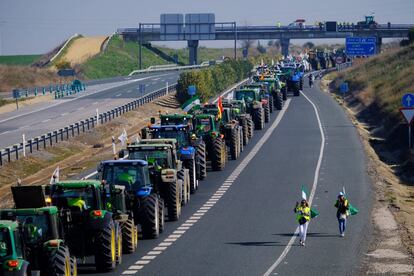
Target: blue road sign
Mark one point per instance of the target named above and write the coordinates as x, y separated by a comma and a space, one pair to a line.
191, 90
16, 94
344, 87
360, 46
408, 100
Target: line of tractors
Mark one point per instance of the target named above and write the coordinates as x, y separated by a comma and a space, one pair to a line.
53, 227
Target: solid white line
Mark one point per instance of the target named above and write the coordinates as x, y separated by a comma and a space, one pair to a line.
118, 95
47, 120
196, 216
64, 114
7, 131
312, 194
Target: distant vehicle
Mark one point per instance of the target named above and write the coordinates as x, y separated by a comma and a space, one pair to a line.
298, 24
369, 23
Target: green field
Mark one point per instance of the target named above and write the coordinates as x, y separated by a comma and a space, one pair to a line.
18, 60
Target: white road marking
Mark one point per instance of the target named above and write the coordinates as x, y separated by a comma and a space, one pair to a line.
118, 95
64, 114
200, 212
5, 132
142, 262
81, 108
94, 103
312, 194
156, 79
47, 120
128, 272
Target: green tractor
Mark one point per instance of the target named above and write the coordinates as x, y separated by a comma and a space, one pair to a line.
275, 89
254, 105
90, 228
229, 127
183, 174
142, 197
205, 127
238, 112
31, 237
266, 100
163, 167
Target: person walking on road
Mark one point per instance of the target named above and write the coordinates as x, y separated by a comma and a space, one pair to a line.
303, 216
342, 212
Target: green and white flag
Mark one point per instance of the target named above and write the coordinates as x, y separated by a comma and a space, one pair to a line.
190, 104
304, 195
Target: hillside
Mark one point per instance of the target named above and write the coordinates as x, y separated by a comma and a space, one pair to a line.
19, 60
83, 48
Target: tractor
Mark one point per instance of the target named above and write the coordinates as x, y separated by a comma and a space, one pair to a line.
32, 237
239, 112
90, 226
293, 79
205, 127
254, 105
164, 167
142, 198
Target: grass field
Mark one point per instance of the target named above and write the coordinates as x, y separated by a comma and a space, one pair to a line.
18, 60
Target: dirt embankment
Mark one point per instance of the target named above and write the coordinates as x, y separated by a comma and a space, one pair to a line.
83, 48
80, 153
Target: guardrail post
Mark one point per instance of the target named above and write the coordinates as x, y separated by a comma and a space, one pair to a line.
44, 141
30, 142
101, 117
87, 123
49, 136
55, 134
67, 133
16, 148
8, 155
37, 143
83, 125
93, 121
1, 158
77, 127
61, 134
72, 130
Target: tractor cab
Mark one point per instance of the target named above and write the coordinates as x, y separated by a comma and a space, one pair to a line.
176, 119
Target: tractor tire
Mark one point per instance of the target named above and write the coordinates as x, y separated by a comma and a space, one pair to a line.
118, 245
201, 161
234, 144
59, 262
150, 222
296, 89
129, 236
278, 101
181, 175
250, 129
271, 102
73, 267
245, 129
258, 115
241, 140
301, 83
105, 248
219, 154
284, 93
193, 177
267, 113
174, 202
162, 215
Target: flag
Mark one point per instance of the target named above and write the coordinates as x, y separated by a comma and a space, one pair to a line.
304, 196
352, 210
220, 107
188, 105
55, 176
123, 137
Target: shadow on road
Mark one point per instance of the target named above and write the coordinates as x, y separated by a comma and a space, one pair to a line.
314, 235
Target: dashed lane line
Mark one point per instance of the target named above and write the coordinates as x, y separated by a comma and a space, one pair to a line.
217, 195
312, 194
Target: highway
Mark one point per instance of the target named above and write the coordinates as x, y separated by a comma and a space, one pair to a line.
241, 220
106, 94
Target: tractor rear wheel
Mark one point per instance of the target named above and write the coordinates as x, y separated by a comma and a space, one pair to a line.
267, 113
182, 176
241, 140
234, 144
129, 236
284, 92
174, 201
296, 89
73, 267
150, 222
201, 161
191, 166
278, 101
219, 154
105, 247
258, 115
59, 262
118, 245
271, 101
250, 128
245, 129
162, 214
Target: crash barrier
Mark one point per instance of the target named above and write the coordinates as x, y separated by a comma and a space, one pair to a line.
59, 90
48, 139
343, 66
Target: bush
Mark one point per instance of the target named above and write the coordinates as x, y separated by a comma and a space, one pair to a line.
213, 80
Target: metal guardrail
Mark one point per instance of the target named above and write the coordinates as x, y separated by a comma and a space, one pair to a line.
175, 68
53, 137
343, 66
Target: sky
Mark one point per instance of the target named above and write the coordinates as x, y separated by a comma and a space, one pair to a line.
37, 26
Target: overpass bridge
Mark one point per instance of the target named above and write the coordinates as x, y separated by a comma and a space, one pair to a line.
148, 32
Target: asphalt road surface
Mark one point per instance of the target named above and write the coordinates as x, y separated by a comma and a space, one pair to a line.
41, 118
241, 220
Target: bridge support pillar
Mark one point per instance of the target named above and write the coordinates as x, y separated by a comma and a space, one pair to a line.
379, 44
284, 43
193, 47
